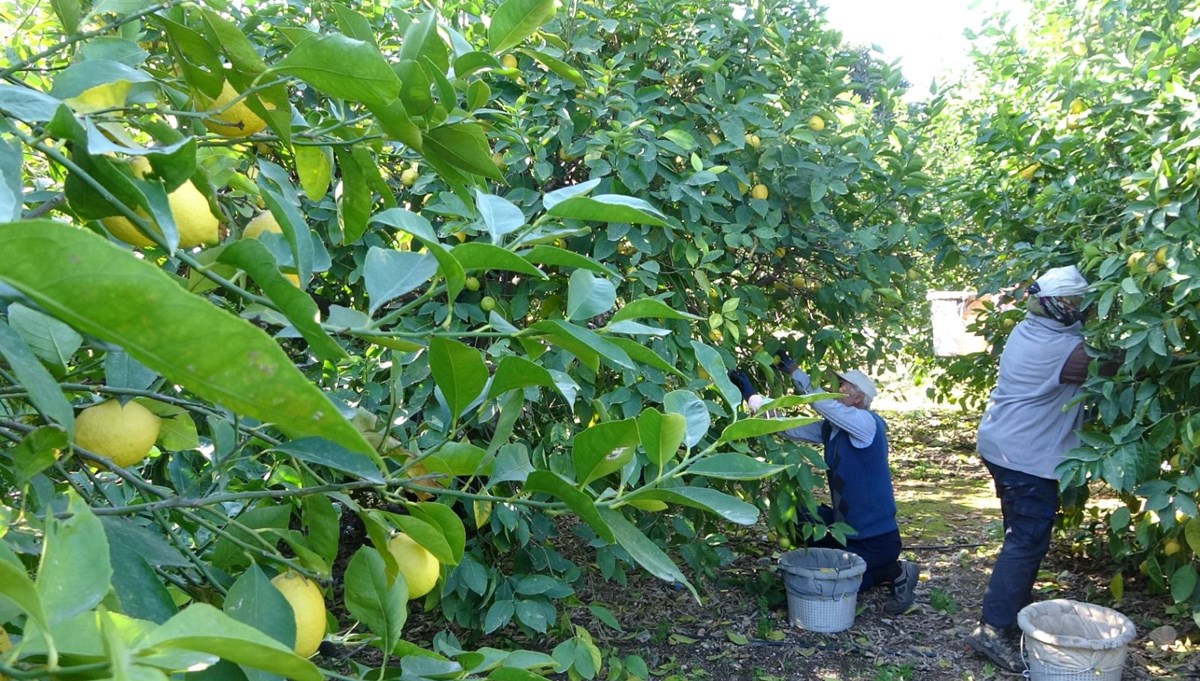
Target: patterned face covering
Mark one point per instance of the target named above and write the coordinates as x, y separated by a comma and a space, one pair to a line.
1063, 309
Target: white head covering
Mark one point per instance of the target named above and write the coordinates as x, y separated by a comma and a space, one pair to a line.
859, 380
1062, 281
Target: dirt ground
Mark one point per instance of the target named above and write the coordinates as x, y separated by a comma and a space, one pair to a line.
950, 521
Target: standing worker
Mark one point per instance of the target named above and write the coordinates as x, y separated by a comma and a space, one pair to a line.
860, 483
1030, 420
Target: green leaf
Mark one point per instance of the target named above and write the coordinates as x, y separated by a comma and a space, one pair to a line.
642, 354
733, 467
661, 434
74, 572
515, 372
37, 452
122, 371
561, 68
1191, 532
454, 459
138, 587
421, 230
462, 146
323, 523
1183, 583
728, 507
69, 14
11, 198
609, 208
186, 339
252, 528
649, 307
645, 552
253, 257
254, 601
50, 340
692, 409
444, 518
581, 342
753, 427
516, 20
325, 453
499, 215
560, 257
550, 483
588, 296
343, 68
314, 166
17, 587
603, 449
390, 274
711, 360
43, 390
370, 599
126, 536
552, 199
427, 534
476, 255
203, 628
459, 371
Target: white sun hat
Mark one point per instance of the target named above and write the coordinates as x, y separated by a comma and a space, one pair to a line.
1062, 281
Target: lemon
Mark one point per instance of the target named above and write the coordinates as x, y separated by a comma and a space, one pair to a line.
752, 140
714, 138
194, 220
472, 284
715, 336
816, 123
1077, 106
236, 120
759, 191
263, 222
508, 61
308, 606
294, 278
409, 177
1160, 255
419, 567
799, 281
1027, 172
487, 304
122, 434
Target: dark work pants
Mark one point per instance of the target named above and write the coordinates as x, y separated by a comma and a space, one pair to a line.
880, 552
1029, 504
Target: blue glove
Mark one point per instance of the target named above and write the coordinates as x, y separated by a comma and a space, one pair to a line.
784, 363
742, 380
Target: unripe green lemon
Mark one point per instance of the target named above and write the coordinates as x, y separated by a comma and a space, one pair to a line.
487, 304
308, 606
122, 434
419, 567
472, 284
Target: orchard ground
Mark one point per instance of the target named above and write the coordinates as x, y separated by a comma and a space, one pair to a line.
950, 519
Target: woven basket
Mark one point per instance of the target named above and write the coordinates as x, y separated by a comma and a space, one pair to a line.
1066, 640
822, 587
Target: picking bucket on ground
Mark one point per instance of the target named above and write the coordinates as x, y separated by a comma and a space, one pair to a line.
1065, 640
822, 587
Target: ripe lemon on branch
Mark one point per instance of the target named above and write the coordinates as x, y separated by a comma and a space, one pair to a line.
230, 118
419, 567
263, 222
123, 434
194, 220
308, 606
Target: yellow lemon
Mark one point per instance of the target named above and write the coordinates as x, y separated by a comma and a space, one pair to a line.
419, 567
293, 277
101, 97
759, 191
1160, 255
122, 434
263, 222
1027, 172
237, 120
1171, 548
715, 336
409, 177
308, 606
714, 138
1077, 106
798, 281
194, 220
508, 61
816, 123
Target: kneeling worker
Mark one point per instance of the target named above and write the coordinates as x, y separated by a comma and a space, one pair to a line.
860, 483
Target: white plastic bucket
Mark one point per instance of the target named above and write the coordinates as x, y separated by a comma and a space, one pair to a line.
822, 587
1065, 640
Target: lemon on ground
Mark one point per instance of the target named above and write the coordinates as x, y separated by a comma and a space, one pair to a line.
263, 222
419, 567
308, 606
816, 123
760, 191
237, 120
123, 434
508, 61
194, 220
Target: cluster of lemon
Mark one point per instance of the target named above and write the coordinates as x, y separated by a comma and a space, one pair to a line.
125, 434
419, 567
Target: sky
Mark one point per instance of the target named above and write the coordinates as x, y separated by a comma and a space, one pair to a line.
925, 35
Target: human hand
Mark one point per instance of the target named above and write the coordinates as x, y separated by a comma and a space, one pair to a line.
784, 363
742, 380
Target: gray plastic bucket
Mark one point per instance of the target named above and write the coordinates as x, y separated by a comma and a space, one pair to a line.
822, 587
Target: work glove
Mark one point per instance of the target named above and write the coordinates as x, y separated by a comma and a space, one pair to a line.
742, 380
784, 363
